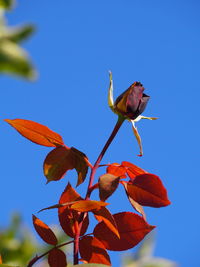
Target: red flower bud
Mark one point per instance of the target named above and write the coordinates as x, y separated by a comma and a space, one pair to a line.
132, 102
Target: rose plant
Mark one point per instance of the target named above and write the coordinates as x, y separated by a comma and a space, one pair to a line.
115, 232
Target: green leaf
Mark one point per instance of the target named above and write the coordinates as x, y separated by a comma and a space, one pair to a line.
19, 34
7, 4
14, 60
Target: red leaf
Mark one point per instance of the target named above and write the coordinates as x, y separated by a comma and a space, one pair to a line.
104, 215
132, 229
132, 170
37, 133
58, 162
108, 183
88, 205
117, 170
134, 204
44, 231
126, 168
62, 159
57, 258
148, 190
1, 262
81, 165
93, 251
69, 195
67, 217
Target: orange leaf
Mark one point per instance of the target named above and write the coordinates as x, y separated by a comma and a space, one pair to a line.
134, 204
44, 231
88, 205
1, 262
81, 165
57, 258
104, 215
132, 229
35, 132
108, 183
58, 162
148, 190
67, 217
69, 195
117, 170
93, 251
61, 159
132, 170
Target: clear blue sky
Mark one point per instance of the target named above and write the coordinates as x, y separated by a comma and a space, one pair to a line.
77, 42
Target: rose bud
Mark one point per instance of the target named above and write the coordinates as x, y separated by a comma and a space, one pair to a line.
132, 102
129, 105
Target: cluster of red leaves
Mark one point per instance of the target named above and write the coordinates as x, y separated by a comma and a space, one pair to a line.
116, 232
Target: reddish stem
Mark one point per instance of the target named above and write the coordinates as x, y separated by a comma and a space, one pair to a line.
91, 181
96, 165
76, 241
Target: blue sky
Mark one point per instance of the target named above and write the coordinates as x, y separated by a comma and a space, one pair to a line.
76, 43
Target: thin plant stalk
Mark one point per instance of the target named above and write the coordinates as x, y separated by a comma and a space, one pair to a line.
91, 181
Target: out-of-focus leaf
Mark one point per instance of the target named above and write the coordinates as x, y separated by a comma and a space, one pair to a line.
132, 229
0, 259
7, 4
44, 231
17, 243
14, 60
5, 265
146, 248
108, 183
57, 258
159, 262
67, 217
104, 215
148, 190
19, 34
87, 205
143, 256
93, 251
36, 132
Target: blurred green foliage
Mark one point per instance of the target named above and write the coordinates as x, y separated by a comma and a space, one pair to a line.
14, 59
143, 257
7, 4
17, 243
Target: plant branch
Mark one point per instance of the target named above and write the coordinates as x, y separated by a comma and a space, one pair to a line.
91, 181
96, 165
34, 260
